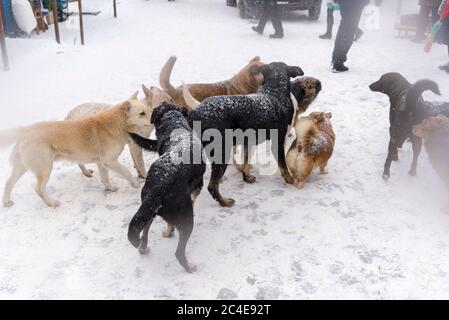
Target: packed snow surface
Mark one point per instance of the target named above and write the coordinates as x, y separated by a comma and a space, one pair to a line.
348, 234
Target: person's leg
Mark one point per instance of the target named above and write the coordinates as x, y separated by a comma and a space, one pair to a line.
330, 24
276, 20
351, 12
263, 18
424, 13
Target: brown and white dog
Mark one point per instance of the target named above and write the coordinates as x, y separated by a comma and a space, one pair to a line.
247, 81
98, 139
435, 132
312, 148
154, 97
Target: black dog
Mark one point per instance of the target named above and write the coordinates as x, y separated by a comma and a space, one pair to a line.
269, 108
172, 183
407, 108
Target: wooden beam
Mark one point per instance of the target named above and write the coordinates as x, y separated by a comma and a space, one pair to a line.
54, 6
2, 40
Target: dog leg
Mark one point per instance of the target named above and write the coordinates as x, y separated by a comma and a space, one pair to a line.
42, 176
278, 150
185, 229
323, 168
218, 170
104, 176
169, 231
137, 156
305, 168
392, 150
123, 172
246, 167
17, 172
143, 248
416, 146
88, 173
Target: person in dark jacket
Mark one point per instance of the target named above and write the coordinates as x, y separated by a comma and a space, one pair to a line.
270, 11
429, 8
351, 13
444, 37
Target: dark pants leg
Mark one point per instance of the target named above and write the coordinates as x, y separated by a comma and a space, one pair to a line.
276, 19
271, 11
351, 12
423, 21
330, 21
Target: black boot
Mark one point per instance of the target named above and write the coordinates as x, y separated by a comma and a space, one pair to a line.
257, 29
339, 67
276, 36
330, 25
326, 36
358, 34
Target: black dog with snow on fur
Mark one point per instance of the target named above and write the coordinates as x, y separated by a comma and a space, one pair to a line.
171, 185
270, 108
407, 109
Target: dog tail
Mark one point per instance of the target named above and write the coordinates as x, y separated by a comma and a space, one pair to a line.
164, 77
147, 144
415, 92
144, 215
191, 102
9, 136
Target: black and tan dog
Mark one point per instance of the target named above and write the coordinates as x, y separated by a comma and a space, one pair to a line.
407, 108
173, 181
435, 132
269, 109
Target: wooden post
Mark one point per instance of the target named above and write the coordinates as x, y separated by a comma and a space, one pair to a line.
54, 6
80, 9
2, 40
115, 8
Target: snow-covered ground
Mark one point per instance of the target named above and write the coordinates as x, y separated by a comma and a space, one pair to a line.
346, 235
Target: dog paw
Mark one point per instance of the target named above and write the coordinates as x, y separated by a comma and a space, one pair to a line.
386, 176
324, 171
191, 268
8, 203
227, 202
89, 173
395, 157
249, 178
53, 203
144, 251
412, 173
300, 184
111, 189
288, 179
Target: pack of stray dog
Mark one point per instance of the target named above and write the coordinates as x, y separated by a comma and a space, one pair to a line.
260, 97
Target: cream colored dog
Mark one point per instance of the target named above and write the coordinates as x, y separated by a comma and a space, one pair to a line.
98, 139
153, 98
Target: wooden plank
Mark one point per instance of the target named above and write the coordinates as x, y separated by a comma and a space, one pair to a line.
2, 40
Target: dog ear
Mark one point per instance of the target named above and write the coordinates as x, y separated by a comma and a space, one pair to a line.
255, 59
148, 93
318, 86
134, 96
265, 70
294, 71
319, 117
158, 113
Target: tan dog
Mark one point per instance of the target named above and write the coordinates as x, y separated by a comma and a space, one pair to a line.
96, 139
153, 98
312, 148
247, 81
435, 132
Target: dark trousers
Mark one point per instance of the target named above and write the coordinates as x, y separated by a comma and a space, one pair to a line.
272, 12
330, 22
424, 14
351, 12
